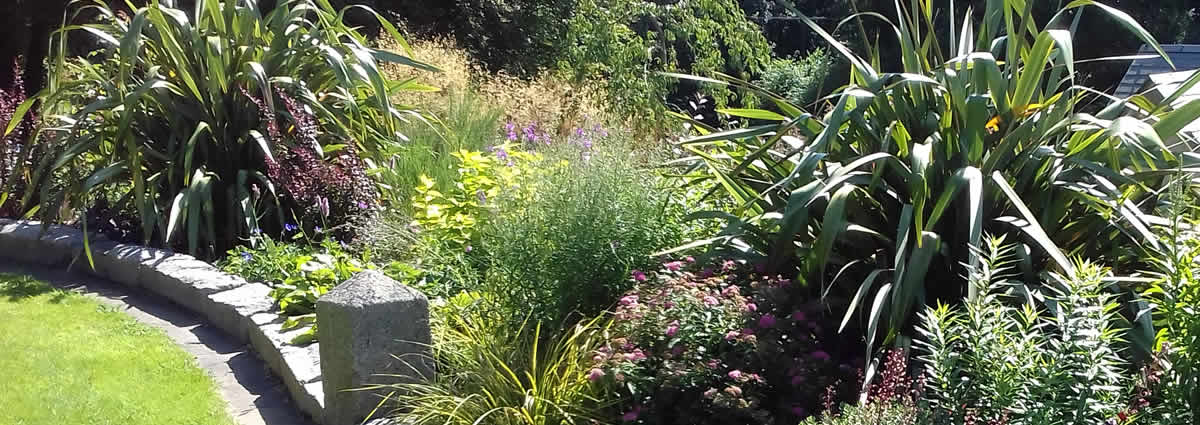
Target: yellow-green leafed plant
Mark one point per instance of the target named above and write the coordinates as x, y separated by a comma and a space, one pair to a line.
452, 217
490, 372
184, 114
884, 199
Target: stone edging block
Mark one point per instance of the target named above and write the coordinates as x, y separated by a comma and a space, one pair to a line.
241, 309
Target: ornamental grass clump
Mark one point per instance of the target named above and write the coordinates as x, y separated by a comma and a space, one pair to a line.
565, 249
491, 372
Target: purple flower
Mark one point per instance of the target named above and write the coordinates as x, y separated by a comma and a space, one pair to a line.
289, 227
735, 374
766, 321
751, 307
673, 328
468, 248
639, 276
501, 154
247, 256
323, 206
579, 131
630, 416
820, 355
690, 259
317, 229
710, 300
673, 266
629, 300
731, 335
595, 374
710, 393
511, 129
362, 205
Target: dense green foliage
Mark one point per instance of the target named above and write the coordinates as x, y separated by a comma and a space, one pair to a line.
887, 197
189, 115
1169, 382
799, 81
569, 247
839, 231
626, 43
467, 123
299, 273
1044, 355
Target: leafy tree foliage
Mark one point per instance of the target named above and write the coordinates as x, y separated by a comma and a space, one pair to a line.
628, 42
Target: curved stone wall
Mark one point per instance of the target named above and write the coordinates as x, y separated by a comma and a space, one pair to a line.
242, 309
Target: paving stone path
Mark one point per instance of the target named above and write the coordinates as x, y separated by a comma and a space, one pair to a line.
252, 395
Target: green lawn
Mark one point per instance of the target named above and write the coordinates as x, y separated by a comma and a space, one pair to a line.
67, 359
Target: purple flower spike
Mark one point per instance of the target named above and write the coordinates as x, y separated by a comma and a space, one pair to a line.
639, 276
502, 154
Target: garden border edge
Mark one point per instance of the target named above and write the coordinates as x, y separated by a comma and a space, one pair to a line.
243, 310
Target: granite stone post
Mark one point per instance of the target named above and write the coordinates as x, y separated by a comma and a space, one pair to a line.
372, 331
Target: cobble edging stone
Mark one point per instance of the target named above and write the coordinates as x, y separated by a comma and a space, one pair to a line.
241, 309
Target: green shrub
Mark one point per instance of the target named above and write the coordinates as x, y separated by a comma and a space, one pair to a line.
1169, 382
870, 414
570, 245
886, 198
625, 44
489, 371
453, 218
800, 81
1045, 355
186, 114
463, 122
299, 274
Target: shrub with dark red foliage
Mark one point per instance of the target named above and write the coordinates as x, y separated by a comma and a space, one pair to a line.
331, 193
11, 146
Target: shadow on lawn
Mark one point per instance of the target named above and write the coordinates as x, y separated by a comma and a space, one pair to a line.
15, 287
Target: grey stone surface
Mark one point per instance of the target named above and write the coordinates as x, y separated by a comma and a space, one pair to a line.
232, 310
22, 241
185, 280
373, 331
298, 366
123, 263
